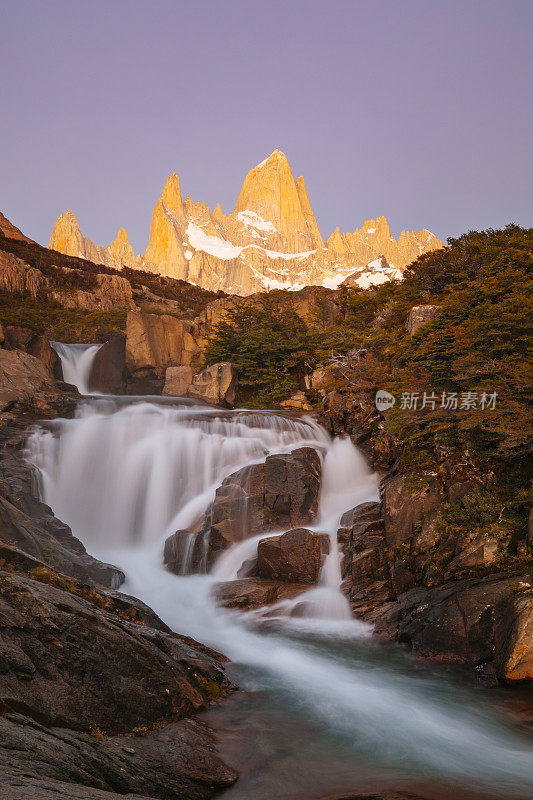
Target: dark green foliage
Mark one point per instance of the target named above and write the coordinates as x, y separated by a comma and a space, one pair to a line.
270, 346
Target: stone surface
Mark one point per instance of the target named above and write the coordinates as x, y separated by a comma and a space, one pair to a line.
155, 342
216, 385
178, 761
295, 556
483, 622
409, 501
17, 276
177, 381
280, 493
249, 593
81, 676
517, 662
297, 402
108, 371
420, 315
24, 380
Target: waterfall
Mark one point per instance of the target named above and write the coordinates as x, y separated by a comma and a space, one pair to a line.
76, 362
125, 473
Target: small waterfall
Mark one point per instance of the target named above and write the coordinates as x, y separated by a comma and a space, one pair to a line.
76, 361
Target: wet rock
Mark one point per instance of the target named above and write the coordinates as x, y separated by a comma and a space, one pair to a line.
420, 315
280, 493
249, 593
179, 761
294, 556
108, 372
482, 622
185, 552
216, 385
66, 661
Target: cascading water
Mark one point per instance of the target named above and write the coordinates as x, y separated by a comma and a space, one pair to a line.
335, 708
76, 362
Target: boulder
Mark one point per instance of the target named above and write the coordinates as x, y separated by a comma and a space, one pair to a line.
216, 385
517, 664
185, 552
297, 402
294, 556
420, 315
281, 493
249, 593
108, 372
155, 342
177, 381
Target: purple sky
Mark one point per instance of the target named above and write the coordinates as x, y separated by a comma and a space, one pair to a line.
421, 111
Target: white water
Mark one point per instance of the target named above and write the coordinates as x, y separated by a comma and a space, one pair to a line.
76, 361
125, 475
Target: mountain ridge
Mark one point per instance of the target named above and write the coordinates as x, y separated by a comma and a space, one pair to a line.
270, 240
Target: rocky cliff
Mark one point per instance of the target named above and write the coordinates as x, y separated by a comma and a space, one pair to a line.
68, 239
271, 240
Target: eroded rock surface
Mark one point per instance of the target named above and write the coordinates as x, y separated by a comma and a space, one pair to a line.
295, 556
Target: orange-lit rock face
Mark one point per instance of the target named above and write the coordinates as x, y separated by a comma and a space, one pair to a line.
271, 240
67, 238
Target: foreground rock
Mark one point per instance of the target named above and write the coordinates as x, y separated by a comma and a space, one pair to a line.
82, 676
178, 761
294, 556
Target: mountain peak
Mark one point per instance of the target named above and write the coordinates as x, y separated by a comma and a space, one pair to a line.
275, 156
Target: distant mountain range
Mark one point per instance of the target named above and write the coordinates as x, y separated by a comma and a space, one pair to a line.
270, 241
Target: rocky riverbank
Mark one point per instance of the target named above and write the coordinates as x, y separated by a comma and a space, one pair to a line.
97, 696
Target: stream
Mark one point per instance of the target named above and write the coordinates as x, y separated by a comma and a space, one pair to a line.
325, 708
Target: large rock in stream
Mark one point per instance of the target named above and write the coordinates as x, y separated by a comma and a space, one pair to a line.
295, 556
280, 493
